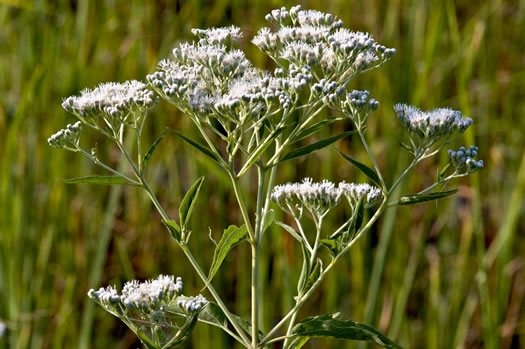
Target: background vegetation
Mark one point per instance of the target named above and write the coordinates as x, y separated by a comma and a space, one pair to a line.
445, 275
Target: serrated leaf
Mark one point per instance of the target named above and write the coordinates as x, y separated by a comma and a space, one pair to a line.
314, 275
365, 169
313, 147
231, 238
259, 151
417, 198
333, 246
105, 180
203, 149
329, 326
188, 202
357, 219
314, 128
173, 228
291, 230
151, 150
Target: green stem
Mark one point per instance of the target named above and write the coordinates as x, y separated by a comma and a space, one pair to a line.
198, 269
304, 298
106, 167
242, 206
372, 158
255, 295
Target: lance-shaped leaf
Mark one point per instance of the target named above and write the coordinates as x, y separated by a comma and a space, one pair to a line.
417, 198
365, 169
106, 180
314, 276
357, 219
268, 220
443, 171
291, 230
188, 202
260, 151
313, 147
173, 228
231, 238
203, 149
303, 278
151, 150
329, 326
314, 128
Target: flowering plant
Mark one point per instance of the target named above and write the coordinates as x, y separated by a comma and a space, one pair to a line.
254, 119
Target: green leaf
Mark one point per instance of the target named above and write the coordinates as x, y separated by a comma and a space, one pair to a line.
365, 169
417, 198
356, 220
259, 151
188, 202
329, 326
305, 270
231, 238
443, 171
298, 342
313, 147
173, 228
270, 215
333, 246
406, 147
314, 275
203, 149
291, 231
106, 180
314, 128
149, 153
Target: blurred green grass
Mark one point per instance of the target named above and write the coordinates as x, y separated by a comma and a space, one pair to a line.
446, 275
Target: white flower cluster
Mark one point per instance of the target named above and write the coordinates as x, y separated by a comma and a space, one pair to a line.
71, 134
108, 297
149, 295
218, 36
193, 304
431, 125
112, 102
210, 80
320, 197
354, 192
316, 38
464, 159
143, 297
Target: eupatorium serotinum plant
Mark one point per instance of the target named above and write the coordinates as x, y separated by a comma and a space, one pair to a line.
253, 120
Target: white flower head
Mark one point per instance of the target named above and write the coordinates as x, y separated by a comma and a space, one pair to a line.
317, 197
192, 305
111, 100
219, 36
354, 192
67, 137
431, 125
